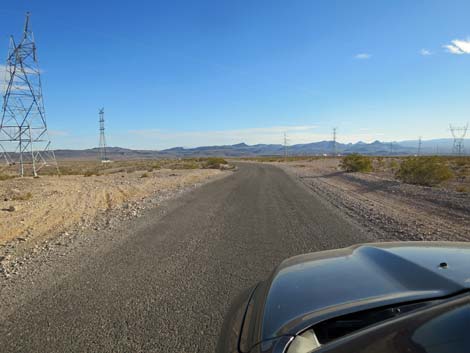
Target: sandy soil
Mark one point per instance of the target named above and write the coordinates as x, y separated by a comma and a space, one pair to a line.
35, 209
386, 206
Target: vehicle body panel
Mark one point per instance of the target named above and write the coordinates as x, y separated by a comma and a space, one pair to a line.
314, 287
308, 289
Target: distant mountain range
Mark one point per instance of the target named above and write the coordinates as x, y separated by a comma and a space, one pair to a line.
438, 146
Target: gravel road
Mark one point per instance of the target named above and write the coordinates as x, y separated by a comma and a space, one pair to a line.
164, 283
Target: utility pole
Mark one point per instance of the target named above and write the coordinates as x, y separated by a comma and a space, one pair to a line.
285, 146
24, 138
103, 155
334, 141
391, 148
419, 146
458, 133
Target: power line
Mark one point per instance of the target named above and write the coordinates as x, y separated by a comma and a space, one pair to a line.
24, 139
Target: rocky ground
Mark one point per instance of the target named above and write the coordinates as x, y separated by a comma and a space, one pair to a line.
50, 215
387, 207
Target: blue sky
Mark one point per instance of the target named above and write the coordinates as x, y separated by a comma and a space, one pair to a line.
189, 73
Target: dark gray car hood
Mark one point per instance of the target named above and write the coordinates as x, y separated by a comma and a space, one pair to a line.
310, 288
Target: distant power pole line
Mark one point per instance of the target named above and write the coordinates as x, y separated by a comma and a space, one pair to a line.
419, 146
458, 133
285, 146
24, 139
335, 130
103, 153
391, 148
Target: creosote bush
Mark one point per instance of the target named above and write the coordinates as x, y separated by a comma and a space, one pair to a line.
356, 163
427, 171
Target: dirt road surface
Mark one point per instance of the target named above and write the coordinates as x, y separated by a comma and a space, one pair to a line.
164, 282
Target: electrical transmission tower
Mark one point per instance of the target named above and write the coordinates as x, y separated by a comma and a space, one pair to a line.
334, 141
419, 146
24, 140
103, 154
458, 133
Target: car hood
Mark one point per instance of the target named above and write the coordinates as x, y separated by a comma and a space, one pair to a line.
307, 289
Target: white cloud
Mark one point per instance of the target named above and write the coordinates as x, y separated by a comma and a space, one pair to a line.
458, 47
425, 52
363, 56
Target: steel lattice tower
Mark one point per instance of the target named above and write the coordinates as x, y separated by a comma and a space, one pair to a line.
24, 139
334, 141
458, 133
103, 155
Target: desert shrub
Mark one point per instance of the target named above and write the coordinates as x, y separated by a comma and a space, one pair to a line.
214, 162
427, 171
144, 175
356, 163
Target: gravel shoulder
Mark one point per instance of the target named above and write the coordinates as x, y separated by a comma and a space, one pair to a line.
39, 216
387, 207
